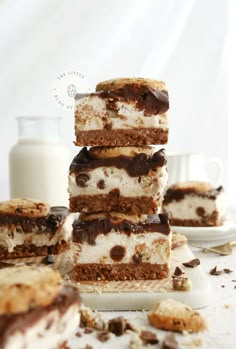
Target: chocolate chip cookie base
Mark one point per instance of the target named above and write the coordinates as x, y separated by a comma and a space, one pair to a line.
120, 272
209, 221
122, 138
30, 250
114, 202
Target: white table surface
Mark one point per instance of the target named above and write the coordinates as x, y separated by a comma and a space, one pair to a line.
220, 314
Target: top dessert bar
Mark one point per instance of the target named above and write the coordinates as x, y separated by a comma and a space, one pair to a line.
195, 203
123, 112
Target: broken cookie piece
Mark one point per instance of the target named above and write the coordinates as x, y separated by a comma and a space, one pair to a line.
169, 314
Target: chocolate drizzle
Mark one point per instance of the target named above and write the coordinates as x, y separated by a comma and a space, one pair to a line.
179, 194
9, 323
87, 231
49, 223
151, 101
135, 166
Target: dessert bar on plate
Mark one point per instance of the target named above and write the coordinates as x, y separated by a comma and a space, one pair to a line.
123, 112
195, 203
31, 228
36, 309
116, 246
127, 179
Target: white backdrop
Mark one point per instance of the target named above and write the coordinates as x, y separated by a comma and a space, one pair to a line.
187, 43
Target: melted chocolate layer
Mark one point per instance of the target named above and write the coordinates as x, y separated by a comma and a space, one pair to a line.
151, 101
179, 194
87, 231
51, 222
135, 166
21, 322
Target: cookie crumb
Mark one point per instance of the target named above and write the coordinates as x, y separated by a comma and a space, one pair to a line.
169, 342
103, 336
135, 342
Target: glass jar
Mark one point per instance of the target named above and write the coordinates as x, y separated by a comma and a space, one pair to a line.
39, 162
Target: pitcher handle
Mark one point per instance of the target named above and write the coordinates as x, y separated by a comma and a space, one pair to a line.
220, 169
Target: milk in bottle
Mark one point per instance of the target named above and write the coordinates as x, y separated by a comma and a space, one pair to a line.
39, 162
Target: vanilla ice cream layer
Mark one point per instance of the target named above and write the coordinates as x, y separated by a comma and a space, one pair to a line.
12, 235
41, 335
91, 112
187, 208
153, 184
154, 248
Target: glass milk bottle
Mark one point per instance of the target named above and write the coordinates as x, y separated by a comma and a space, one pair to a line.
39, 162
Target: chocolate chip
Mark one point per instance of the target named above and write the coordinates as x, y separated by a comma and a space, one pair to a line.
117, 326
178, 272
103, 336
48, 260
78, 334
149, 337
117, 253
216, 272
200, 211
101, 184
169, 342
82, 180
19, 210
227, 271
192, 263
223, 286
108, 127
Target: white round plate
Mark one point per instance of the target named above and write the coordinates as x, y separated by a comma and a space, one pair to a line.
225, 232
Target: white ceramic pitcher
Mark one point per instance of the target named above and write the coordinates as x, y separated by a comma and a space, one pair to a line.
189, 167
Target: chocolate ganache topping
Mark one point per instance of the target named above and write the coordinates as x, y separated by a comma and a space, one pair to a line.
179, 194
151, 101
135, 166
87, 231
49, 223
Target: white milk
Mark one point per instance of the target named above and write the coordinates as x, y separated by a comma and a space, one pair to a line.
39, 169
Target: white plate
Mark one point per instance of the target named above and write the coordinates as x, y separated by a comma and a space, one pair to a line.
226, 232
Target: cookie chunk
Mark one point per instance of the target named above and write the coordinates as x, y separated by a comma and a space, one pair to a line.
171, 315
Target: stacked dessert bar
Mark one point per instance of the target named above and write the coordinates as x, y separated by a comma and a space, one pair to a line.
118, 184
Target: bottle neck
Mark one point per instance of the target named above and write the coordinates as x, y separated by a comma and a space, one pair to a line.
38, 129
